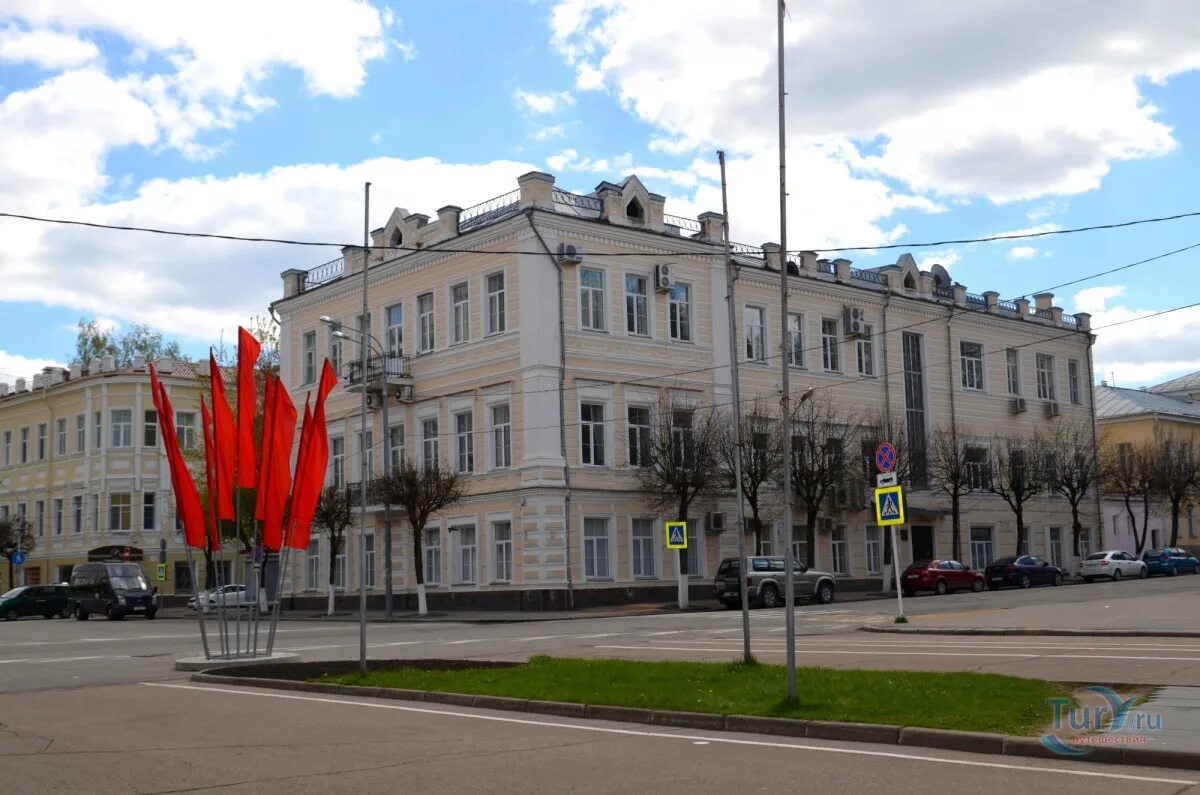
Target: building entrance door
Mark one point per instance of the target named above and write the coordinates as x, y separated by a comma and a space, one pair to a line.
922, 542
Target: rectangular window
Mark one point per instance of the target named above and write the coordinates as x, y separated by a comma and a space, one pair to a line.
425, 325
308, 347
394, 315
312, 566
466, 553
970, 358
149, 510
120, 513
638, 420
42, 441
637, 312
914, 407
121, 428
831, 345
591, 299
1124, 456
682, 437
874, 551
1085, 543
60, 437
496, 303
1054, 542
595, 548
95, 513
77, 514
865, 348
796, 340
982, 551
335, 347
464, 442
397, 446
7, 448
366, 453
39, 517
840, 549
753, 320
501, 436
24, 445
694, 569
58, 517
1073, 392
644, 546
369, 560
97, 431
978, 468
337, 461
339, 570
80, 433
502, 551
185, 429
429, 444
1045, 377
460, 301
679, 306
591, 429
1012, 369
149, 429
431, 542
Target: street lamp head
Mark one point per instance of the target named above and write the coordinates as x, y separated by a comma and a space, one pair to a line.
326, 319
340, 334
807, 394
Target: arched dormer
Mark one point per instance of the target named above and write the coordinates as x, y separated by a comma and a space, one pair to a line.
630, 204
910, 282
635, 212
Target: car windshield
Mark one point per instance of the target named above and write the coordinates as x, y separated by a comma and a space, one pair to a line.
1097, 556
13, 593
132, 582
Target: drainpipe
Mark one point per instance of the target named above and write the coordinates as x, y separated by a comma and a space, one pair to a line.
562, 406
887, 368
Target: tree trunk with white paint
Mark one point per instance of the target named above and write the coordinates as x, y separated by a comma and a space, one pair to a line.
329, 608
422, 608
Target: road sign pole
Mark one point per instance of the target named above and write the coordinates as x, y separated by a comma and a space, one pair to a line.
896, 572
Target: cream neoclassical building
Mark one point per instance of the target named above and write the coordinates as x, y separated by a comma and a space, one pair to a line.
527, 337
81, 460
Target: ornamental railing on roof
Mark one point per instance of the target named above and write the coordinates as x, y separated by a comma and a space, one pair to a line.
575, 200
1008, 306
324, 273
976, 300
1070, 321
484, 212
825, 266
875, 277
688, 224
1044, 314
943, 292
746, 250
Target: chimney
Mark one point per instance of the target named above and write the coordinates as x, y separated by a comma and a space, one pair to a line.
1084, 321
57, 375
38, 381
841, 270
808, 261
1044, 300
139, 362
993, 301
537, 189
448, 221
76, 370
21, 385
93, 365
1022, 307
771, 256
293, 281
712, 227
108, 363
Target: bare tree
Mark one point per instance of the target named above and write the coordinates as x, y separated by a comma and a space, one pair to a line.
1074, 471
1128, 471
421, 491
821, 439
16, 534
1018, 473
1176, 475
956, 469
333, 517
761, 458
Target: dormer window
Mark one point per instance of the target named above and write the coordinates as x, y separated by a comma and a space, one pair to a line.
397, 238
909, 282
634, 211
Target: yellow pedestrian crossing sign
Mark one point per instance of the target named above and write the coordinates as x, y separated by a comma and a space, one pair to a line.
889, 505
676, 535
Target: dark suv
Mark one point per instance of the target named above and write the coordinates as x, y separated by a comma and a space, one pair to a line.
764, 584
34, 600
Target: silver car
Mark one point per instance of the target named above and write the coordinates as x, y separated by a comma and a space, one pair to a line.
231, 596
764, 585
1115, 564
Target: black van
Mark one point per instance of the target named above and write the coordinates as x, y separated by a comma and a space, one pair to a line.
114, 589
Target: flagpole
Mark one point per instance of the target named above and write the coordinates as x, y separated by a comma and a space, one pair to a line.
284, 555
199, 612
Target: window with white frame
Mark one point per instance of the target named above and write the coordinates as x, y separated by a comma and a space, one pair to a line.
796, 340
637, 311
120, 509
60, 437
501, 436
95, 513
80, 433
333, 330
679, 312
312, 566
7, 452
425, 323
695, 565
591, 299
502, 551
1054, 544
339, 569
369, 560
431, 542
1073, 391
397, 446
596, 548
185, 429
644, 548
831, 344
149, 510
460, 303
970, 358
1045, 376
1085, 543
978, 467
865, 348
394, 317
465, 553
753, 321
25, 445
366, 455
1012, 370
496, 321
982, 549
308, 347
873, 547
591, 430
121, 428
149, 430
682, 437
839, 547
464, 442
77, 514
638, 420
429, 444
98, 430
337, 462
42, 441
58, 517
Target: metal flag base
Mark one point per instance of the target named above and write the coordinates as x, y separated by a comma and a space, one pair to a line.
206, 663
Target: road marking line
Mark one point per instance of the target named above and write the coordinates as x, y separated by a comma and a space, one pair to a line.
1068, 647
121, 639
68, 659
553, 724
917, 653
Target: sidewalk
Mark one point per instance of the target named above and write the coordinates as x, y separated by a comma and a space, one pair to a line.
1178, 708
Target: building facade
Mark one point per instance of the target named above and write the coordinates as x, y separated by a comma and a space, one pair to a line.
527, 338
81, 461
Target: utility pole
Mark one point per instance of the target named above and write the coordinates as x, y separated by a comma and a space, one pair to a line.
737, 417
362, 437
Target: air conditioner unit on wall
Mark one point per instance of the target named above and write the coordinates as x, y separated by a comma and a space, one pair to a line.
569, 254
1017, 406
854, 321
1052, 409
664, 278
714, 522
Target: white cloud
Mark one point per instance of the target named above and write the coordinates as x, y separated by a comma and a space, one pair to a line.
408, 51
542, 104
1142, 351
1094, 299
946, 259
48, 49
14, 366
550, 131
1022, 252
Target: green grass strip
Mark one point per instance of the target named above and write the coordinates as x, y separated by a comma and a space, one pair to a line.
964, 701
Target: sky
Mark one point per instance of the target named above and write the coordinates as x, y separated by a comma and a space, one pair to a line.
907, 122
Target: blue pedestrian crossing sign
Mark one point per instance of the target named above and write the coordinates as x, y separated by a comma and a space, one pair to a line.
889, 505
676, 535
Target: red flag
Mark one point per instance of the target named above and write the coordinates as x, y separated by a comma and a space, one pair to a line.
210, 462
279, 483
264, 451
298, 480
224, 441
247, 403
310, 467
187, 499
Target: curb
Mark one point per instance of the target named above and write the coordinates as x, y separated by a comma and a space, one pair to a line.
1067, 633
885, 734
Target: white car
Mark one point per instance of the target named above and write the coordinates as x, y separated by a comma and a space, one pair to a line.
232, 596
1114, 564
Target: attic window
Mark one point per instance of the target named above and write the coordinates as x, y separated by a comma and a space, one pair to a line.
909, 282
397, 238
634, 211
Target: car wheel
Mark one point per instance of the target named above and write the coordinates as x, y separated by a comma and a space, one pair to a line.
770, 597
940, 588
80, 613
1025, 581
1116, 575
112, 614
1144, 572
977, 586
150, 614
824, 593
66, 613
993, 587
1057, 580
11, 615
1173, 572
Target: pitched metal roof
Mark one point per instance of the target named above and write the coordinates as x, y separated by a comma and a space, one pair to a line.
1184, 383
1114, 402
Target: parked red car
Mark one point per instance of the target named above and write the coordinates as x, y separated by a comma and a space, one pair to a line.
940, 576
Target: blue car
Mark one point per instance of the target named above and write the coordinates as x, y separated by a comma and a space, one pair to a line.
1171, 561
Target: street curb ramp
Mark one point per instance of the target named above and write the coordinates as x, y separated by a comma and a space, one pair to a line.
885, 734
